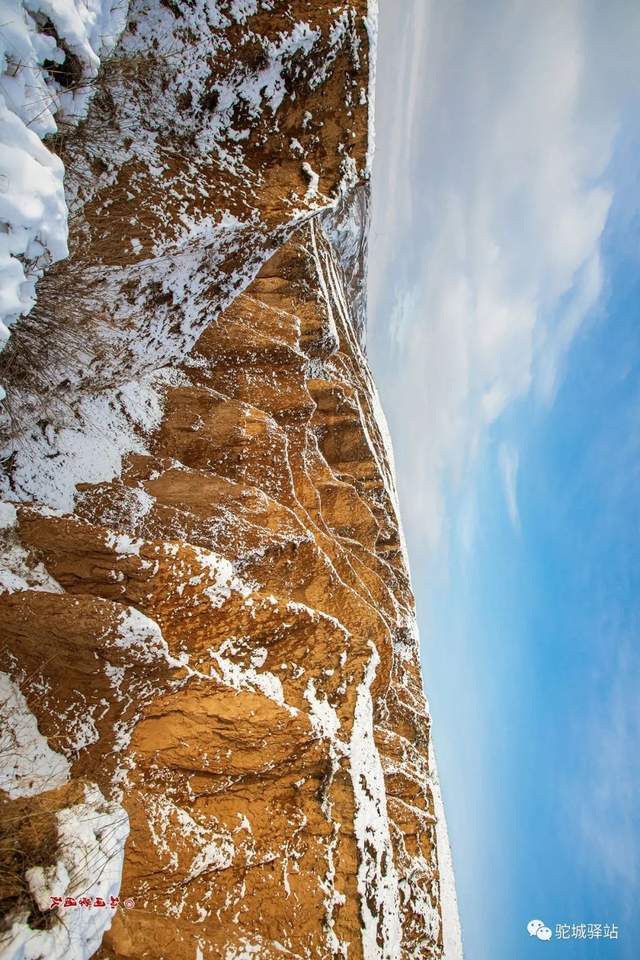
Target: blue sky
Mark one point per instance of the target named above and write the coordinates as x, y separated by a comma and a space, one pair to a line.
504, 334
536, 631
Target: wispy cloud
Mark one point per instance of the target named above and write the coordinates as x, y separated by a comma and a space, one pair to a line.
607, 814
509, 461
489, 210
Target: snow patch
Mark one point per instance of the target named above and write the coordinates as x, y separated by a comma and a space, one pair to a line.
39, 39
322, 715
91, 840
377, 878
451, 930
8, 516
241, 9
18, 570
28, 765
241, 678
371, 23
314, 181
89, 449
143, 635
216, 850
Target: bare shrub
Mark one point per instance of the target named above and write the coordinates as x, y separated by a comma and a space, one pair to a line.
28, 838
61, 341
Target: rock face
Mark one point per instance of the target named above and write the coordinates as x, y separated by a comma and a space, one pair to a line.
214, 625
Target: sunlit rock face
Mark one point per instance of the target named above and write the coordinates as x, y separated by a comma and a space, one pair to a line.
213, 623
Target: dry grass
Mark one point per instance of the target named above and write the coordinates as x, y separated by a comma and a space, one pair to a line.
64, 340
67, 338
74, 340
28, 838
137, 79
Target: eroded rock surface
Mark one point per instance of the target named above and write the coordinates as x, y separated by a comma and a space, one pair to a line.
218, 630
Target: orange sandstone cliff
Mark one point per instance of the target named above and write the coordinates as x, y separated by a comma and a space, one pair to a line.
213, 707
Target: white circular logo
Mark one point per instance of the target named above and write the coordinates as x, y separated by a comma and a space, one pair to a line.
536, 928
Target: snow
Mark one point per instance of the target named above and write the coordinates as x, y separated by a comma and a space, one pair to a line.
18, 570
7, 516
371, 823
451, 931
255, 88
303, 38
314, 180
89, 448
377, 878
27, 764
241, 9
340, 31
320, 263
249, 679
141, 634
215, 847
371, 23
123, 544
322, 715
33, 210
258, 657
91, 839
245, 951
86, 439
224, 579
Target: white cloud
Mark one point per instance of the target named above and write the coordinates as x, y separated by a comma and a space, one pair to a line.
496, 123
509, 461
605, 816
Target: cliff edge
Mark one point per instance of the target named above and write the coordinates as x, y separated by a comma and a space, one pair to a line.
215, 740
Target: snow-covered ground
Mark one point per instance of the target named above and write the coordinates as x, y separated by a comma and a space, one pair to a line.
27, 764
91, 839
49, 54
451, 930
